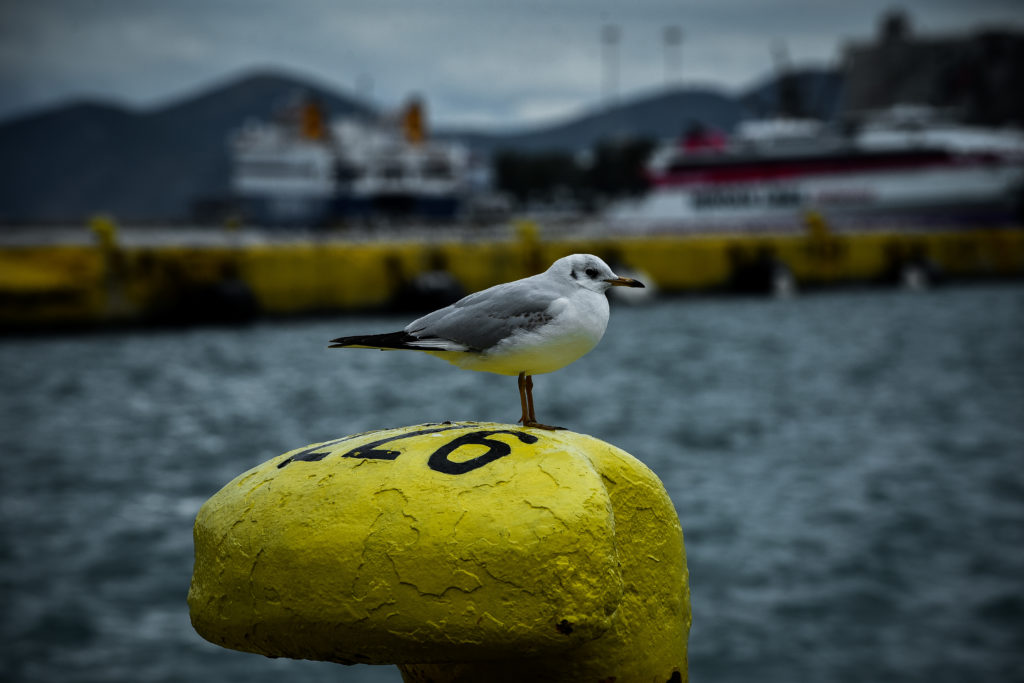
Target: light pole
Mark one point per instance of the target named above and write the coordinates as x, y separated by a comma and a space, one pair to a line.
673, 37
610, 35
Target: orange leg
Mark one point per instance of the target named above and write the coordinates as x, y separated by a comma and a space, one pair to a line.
529, 397
527, 406
529, 418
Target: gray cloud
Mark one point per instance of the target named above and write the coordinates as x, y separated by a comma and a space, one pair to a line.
479, 62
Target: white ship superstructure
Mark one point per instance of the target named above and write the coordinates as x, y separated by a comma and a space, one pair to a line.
903, 167
306, 169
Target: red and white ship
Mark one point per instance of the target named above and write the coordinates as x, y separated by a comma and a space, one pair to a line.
904, 168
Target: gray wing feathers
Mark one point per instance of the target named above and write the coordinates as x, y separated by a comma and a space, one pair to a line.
483, 319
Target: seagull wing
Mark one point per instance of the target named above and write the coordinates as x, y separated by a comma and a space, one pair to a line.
482, 320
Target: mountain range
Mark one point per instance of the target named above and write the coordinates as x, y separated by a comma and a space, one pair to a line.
73, 161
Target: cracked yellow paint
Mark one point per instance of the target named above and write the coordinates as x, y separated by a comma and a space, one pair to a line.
461, 552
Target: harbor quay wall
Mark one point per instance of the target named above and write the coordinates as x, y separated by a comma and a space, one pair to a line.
107, 283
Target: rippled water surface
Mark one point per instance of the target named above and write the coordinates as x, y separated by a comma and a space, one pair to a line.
848, 469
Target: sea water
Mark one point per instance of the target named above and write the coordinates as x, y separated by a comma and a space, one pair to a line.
848, 468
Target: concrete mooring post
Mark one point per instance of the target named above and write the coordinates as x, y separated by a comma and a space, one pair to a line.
458, 552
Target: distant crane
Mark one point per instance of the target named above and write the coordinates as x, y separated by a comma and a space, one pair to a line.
610, 35
790, 100
673, 39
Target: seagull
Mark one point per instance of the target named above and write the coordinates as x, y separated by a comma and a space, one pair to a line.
527, 327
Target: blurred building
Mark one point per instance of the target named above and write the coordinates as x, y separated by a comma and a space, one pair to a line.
978, 75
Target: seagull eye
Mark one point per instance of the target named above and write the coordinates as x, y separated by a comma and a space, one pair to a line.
591, 273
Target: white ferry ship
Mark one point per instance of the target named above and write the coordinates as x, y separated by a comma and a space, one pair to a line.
905, 167
307, 170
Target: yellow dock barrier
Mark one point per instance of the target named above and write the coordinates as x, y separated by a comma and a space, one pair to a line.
94, 284
460, 552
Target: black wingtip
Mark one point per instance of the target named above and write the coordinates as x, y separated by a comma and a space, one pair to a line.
389, 340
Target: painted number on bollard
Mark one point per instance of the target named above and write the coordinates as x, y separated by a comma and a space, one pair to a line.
438, 460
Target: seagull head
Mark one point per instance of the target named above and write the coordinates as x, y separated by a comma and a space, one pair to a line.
590, 272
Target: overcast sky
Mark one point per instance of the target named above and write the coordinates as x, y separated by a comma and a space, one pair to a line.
480, 62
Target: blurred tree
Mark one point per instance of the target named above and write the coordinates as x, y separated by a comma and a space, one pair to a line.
617, 168
611, 170
537, 177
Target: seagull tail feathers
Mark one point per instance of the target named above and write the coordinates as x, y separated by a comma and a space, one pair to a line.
395, 340
390, 340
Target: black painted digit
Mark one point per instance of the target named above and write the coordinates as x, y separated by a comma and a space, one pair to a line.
311, 454
370, 450
439, 461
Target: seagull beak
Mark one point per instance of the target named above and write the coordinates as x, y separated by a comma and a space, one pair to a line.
624, 282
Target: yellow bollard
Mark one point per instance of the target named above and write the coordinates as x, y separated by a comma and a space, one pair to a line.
460, 552
105, 229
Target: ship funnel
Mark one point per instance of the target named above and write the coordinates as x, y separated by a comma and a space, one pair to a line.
414, 121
